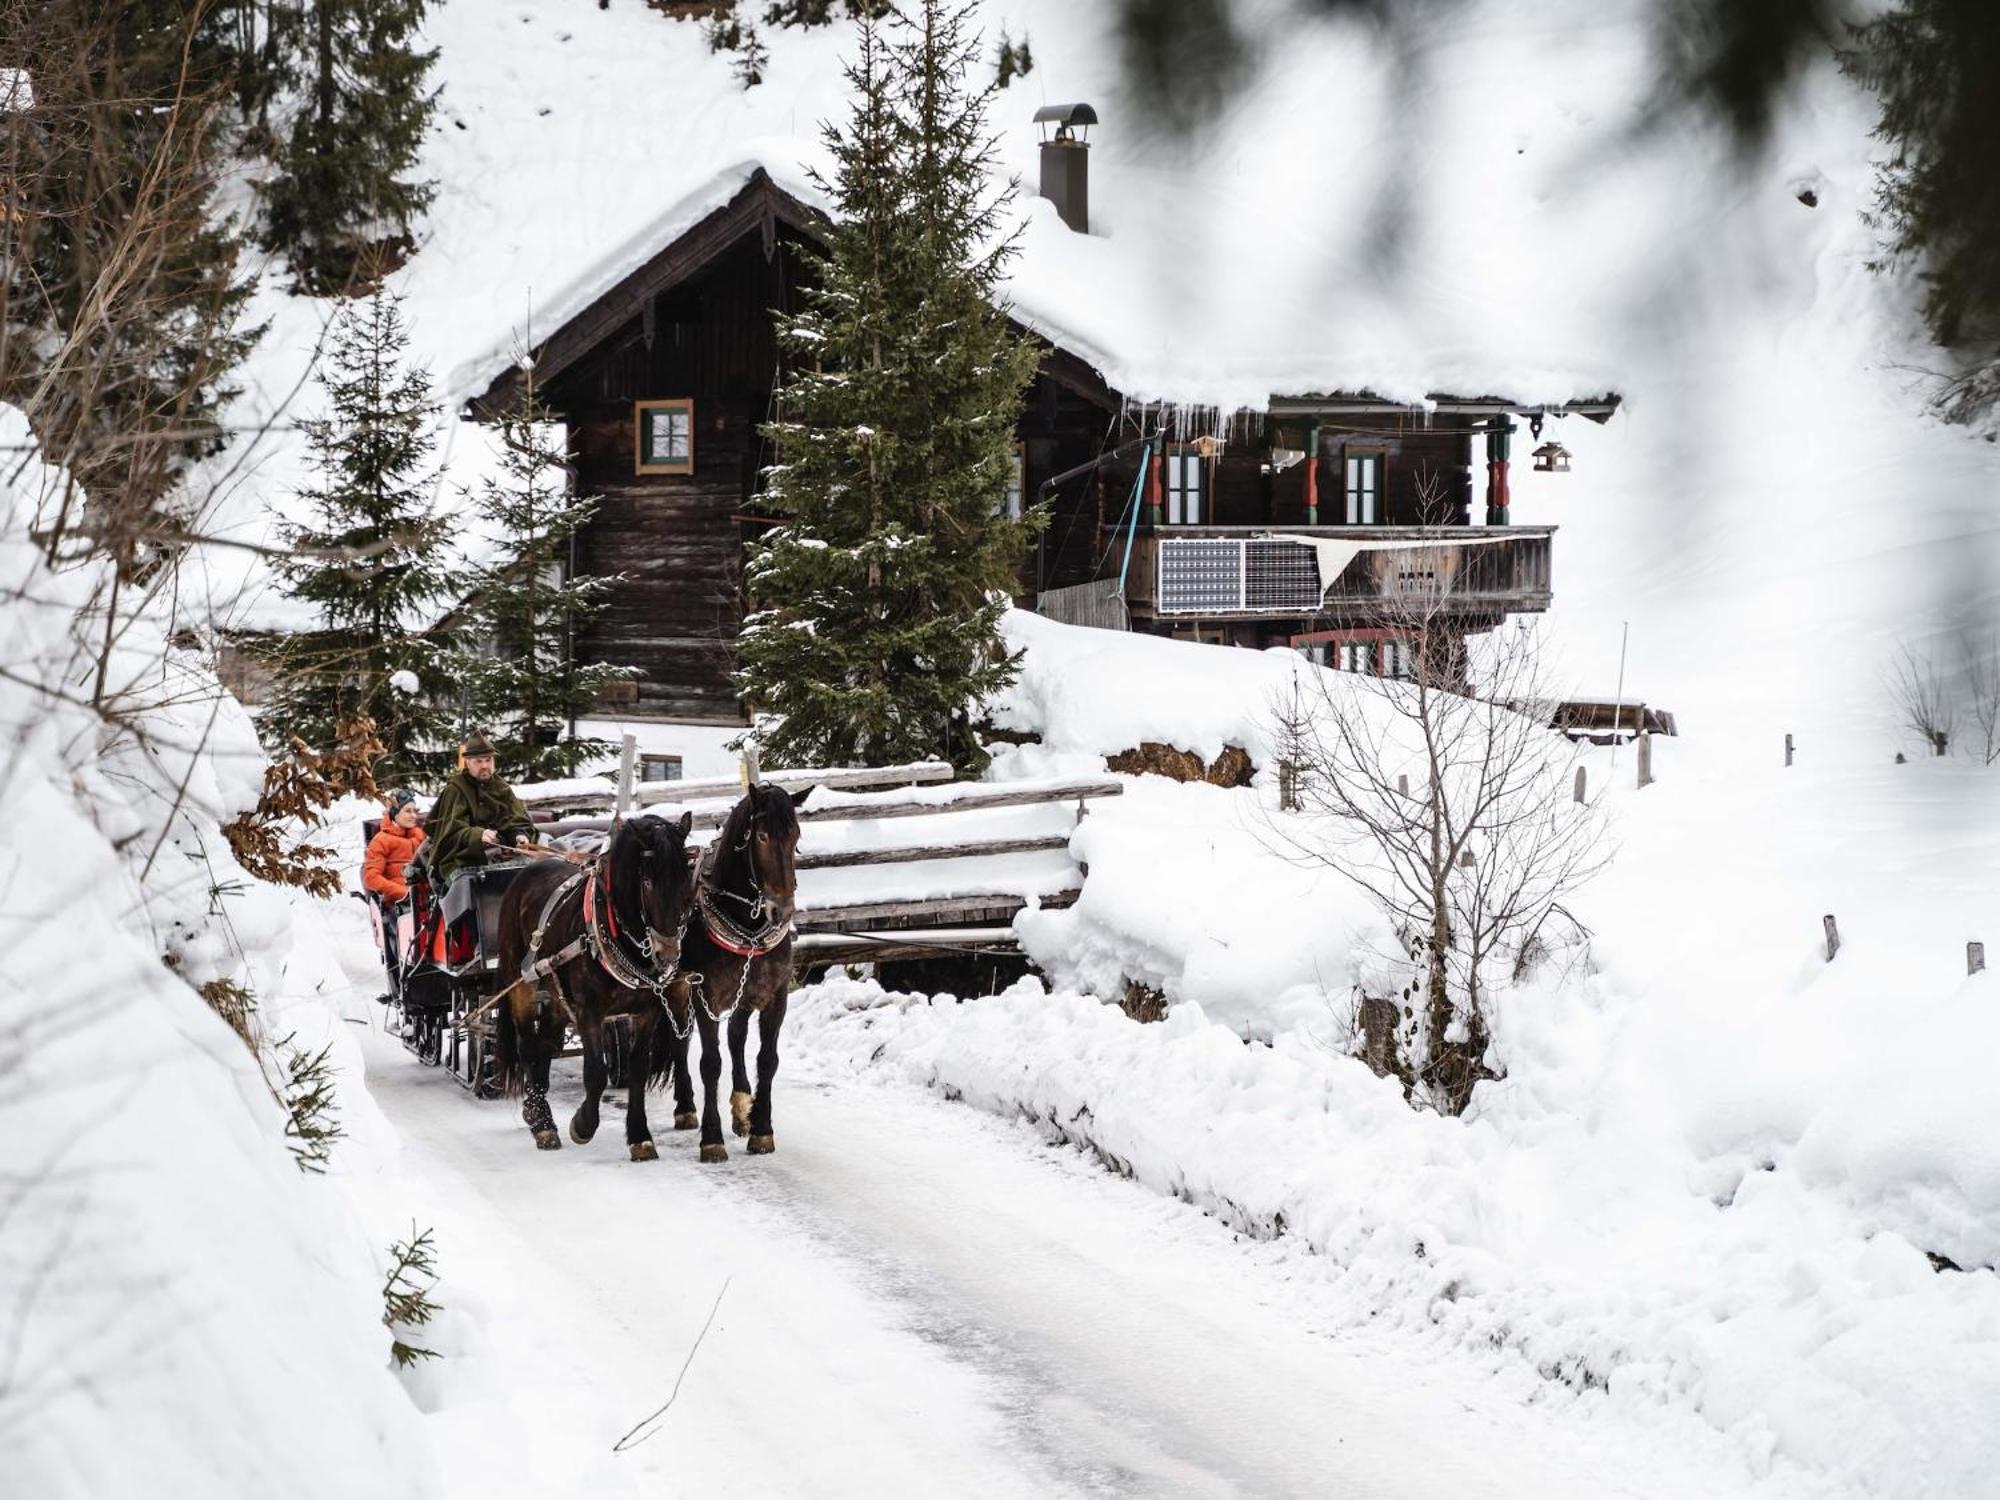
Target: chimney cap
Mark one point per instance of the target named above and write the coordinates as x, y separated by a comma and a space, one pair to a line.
1065, 117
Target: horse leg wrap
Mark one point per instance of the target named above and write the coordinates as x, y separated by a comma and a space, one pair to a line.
535, 1111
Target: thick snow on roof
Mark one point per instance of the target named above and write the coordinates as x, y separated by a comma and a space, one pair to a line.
1217, 270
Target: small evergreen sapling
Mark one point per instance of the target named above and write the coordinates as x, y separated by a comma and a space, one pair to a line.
406, 1295
305, 1088
372, 561
516, 670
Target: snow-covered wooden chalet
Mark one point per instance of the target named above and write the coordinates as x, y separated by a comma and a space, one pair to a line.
1286, 517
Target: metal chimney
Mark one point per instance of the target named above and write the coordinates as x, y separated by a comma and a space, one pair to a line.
1066, 161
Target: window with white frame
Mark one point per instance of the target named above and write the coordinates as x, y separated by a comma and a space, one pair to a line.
1357, 656
1184, 479
1314, 652
1364, 489
1395, 658
1017, 484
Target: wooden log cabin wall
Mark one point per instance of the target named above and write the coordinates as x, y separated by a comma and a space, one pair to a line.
676, 539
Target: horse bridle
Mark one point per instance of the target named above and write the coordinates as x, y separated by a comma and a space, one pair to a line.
763, 931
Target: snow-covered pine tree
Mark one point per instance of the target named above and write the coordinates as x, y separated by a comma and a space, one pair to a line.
371, 562
340, 205
515, 668
874, 636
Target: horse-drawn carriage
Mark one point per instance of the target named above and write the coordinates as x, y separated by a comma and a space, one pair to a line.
441, 951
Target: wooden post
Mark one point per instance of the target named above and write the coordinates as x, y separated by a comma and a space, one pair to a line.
1288, 786
628, 760
751, 774
1975, 957
1832, 936
1645, 759
1788, 749
1579, 783
1402, 786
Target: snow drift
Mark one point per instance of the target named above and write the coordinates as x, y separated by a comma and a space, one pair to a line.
187, 1312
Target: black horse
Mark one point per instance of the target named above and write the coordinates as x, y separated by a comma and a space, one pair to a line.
736, 960
604, 939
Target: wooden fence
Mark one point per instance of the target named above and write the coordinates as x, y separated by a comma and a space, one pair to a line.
976, 915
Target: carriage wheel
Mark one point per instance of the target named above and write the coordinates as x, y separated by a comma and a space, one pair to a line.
430, 1038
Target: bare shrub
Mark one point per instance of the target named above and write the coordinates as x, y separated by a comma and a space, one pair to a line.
1467, 863
1924, 703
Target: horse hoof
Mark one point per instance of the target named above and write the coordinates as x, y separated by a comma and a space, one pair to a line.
763, 1145
687, 1119
644, 1151
717, 1152
739, 1112
578, 1134
548, 1140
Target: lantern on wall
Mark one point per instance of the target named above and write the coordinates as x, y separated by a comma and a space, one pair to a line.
1552, 458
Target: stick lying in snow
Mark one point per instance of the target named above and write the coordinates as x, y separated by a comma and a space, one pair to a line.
629, 1440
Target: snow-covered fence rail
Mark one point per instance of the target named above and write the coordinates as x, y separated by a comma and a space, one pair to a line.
593, 793
887, 908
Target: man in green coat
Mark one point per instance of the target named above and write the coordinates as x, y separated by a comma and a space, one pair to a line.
476, 812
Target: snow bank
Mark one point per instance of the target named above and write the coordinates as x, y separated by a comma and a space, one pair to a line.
188, 1312
1717, 1167
1810, 1341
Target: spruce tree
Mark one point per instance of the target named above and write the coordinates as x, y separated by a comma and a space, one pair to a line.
371, 562
515, 668
341, 204
1934, 64
874, 637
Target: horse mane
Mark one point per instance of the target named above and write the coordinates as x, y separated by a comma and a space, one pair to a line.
732, 842
621, 858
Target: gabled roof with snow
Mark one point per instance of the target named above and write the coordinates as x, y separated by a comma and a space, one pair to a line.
1210, 275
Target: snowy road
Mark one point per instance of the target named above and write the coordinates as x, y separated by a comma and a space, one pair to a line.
924, 1299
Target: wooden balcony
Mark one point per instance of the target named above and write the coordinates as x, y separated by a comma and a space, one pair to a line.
1259, 572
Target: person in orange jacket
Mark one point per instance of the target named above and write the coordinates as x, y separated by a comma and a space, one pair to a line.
395, 844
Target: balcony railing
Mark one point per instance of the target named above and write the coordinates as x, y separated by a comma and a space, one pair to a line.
1213, 572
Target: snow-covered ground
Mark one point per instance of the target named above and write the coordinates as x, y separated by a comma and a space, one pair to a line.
917, 1298
1680, 1249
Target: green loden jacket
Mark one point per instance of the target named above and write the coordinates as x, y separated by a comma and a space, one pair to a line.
465, 809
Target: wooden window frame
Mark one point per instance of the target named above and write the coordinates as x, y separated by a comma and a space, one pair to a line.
641, 410
658, 758
1192, 462
1348, 494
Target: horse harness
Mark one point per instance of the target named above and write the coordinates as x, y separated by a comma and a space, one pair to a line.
748, 940
598, 940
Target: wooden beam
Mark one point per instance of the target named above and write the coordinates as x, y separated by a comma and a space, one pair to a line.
841, 859
1000, 795
915, 773
966, 909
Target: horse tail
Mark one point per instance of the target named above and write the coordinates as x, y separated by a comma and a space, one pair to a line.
508, 1072
669, 1051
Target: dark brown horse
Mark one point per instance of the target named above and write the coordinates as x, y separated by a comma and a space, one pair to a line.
736, 961
583, 944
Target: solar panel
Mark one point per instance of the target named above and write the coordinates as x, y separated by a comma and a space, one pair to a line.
1200, 576
1280, 575
1212, 576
